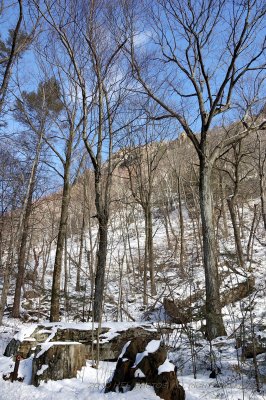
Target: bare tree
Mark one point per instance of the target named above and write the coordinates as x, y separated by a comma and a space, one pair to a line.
33, 111
12, 189
142, 159
90, 46
261, 168
200, 74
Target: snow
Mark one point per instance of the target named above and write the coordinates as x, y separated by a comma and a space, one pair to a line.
124, 349
25, 332
43, 368
153, 346
139, 358
167, 366
139, 374
188, 349
47, 345
65, 390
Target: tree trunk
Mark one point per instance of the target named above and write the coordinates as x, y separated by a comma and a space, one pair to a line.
252, 233
55, 299
100, 269
181, 224
81, 246
12, 57
239, 251
214, 321
25, 230
66, 275
6, 278
169, 244
263, 199
223, 211
150, 249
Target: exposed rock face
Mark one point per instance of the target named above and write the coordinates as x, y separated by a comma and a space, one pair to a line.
250, 348
239, 292
192, 308
60, 361
177, 313
144, 361
111, 349
61, 349
12, 348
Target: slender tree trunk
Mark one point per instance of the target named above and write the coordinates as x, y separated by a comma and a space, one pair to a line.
263, 210
55, 299
181, 225
138, 242
238, 244
263, 197
25, 231
165, 212
36, 266
145, 265
46, 258
66, 277
252, 233
214, 321
12, 57
222, 198
81, 246
100, 270
150, 249
262, 178
5, 289
6, 278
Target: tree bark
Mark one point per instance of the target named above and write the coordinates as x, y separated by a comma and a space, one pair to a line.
238, 245
11, 58
149, 231
55, 299
214, 321
25, 230
223, 210
81, 246
6, 277
181, 224
100, 270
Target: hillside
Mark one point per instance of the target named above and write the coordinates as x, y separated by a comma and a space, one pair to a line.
132, 199
243, 313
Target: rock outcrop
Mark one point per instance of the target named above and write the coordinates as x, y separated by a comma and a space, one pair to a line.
58, 361
183, 311
60, 350
144, 361
251, 347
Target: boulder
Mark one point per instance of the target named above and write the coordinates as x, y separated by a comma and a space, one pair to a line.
57, 361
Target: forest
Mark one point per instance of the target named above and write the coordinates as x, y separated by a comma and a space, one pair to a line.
133, 199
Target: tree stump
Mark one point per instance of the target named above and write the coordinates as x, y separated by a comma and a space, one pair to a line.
144, 361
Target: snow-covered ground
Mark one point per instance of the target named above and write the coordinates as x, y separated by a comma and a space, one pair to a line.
188, 349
